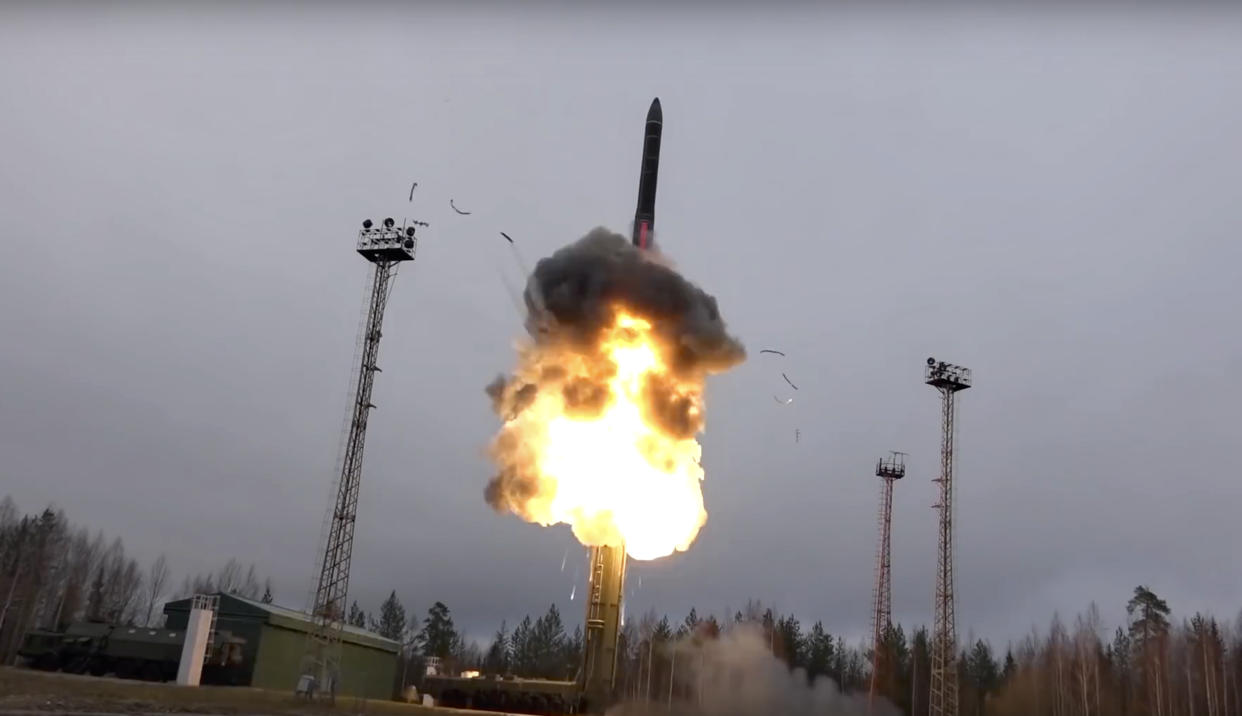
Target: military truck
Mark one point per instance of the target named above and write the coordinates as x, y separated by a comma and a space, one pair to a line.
150, 654
507, 694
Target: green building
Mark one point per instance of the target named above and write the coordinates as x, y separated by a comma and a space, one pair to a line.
275, 642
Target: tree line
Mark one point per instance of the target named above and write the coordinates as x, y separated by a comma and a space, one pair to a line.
53, 573
1152, 665
534, 648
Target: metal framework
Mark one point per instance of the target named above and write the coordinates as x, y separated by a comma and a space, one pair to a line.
386, 247
889, 470
948, 379
212, 602
605, 586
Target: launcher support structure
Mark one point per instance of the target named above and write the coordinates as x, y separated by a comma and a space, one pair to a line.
386, 247
605, 585
948, 379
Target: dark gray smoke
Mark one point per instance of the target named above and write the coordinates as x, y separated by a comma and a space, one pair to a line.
575, 292
736, 675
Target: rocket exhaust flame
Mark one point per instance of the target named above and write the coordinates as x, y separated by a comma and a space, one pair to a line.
603, 409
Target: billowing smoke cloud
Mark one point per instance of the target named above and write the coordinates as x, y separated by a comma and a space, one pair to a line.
583, 302
574, 293
736, 675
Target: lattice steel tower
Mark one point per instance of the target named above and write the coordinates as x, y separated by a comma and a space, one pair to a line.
386, 246
948, 379
889, 470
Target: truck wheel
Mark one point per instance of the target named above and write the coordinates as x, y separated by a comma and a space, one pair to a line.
98, 667
151, 671
126, 669
77, 665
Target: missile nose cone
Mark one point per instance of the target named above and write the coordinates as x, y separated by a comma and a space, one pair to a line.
655, 114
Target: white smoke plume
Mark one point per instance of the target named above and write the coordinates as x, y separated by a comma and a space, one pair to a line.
736, 675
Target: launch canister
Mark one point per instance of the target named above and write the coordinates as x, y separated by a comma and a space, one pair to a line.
644, 215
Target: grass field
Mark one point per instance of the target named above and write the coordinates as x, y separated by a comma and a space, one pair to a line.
27, 690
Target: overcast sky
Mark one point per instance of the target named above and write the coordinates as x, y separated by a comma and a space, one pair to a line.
1051, 200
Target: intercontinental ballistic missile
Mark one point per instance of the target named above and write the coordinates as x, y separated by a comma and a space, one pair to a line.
644, 215
606, 571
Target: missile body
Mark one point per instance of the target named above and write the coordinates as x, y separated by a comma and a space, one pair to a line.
644, 215
606, 575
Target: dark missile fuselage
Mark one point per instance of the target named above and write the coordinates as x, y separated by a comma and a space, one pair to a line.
644, 215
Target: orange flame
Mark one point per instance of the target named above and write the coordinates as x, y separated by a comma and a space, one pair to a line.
615, 477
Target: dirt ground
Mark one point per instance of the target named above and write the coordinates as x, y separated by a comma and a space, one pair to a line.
24, 690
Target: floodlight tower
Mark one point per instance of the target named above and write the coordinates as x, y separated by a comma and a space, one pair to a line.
386, 246
889, 470
948, 379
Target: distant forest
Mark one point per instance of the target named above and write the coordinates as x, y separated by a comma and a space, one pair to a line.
1155, 665
52, 573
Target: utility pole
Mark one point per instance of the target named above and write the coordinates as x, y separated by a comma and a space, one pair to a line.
948, 379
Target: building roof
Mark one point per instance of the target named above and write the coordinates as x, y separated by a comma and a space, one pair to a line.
232, 605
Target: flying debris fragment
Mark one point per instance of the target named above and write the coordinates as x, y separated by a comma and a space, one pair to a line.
412, 188
507, 237
785, 401
797, 435
459, 211
784, 375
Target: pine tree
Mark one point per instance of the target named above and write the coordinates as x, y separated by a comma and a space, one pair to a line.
95, 602
896, 652
521, 659
356, 616
819, 652
690, 624
267, 592
790, 644
438, 635
663, 631
981, 672
497, 659
920, 672
549, 641
392, 618
1149, 630
573, 652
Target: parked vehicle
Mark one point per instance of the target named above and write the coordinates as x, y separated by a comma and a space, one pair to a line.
150, 654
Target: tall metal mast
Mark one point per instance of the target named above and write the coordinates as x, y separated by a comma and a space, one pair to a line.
889, 471
385, 246
948, 379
